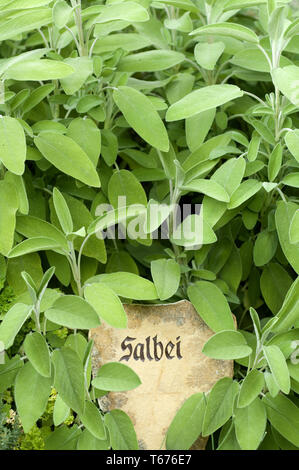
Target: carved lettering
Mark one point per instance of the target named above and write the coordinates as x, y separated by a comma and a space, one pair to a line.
151, 349
125, 346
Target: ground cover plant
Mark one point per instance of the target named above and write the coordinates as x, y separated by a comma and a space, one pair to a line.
161, 103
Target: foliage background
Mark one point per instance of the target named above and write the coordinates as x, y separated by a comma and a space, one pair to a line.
176, 101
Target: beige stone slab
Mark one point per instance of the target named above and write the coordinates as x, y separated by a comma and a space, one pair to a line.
167, 380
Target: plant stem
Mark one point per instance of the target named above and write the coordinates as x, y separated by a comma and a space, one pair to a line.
75, 269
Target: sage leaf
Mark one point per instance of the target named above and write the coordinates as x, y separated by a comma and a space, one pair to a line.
132, 104
227, 344
106, 303
202, 100
69, 378
116, 377
186, 426
32, 392
211, 305
74, 312
13, 145
66, 155
166, 275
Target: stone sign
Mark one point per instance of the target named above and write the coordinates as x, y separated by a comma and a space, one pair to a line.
162, 344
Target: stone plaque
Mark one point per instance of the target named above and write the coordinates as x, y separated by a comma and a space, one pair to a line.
162, 344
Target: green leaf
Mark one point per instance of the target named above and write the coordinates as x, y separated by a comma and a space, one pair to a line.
31, 394
231, 273
88, 136
12, 322
218, 257
37, 351
69, 378
227, 438
8, 372
77, 343
18, 183
128, 41
87, 441
39, 70
275, 282
61, 411
63, 438
251, 387
8, 207
186, 426
116, 377
16, 266
211, 305
264, 248
113, 217
182, 4
22, 4
286, 79
31, 227
62, 267
230, 174
121, 431
262, 129
277, 22
150, 61
32, 245
61, 13
288, 314
130, 11
110, 146
25, 21
227, 345
291, 179
271, 384
37, 96
283, 415
201, 100
238, 4
220, 405
284, 214
62, 211
31, 286
252, 58
92, 420
232, 30
278, 367
132, 104
209, 187
250, 424
292, 29
183, 23
107, 304
166, 275
12, 145
197, 128
73, 312
245, 191
128, 285
194, 230
275, 161
207, 54
82, 68
292, 141
94, 247
28, 55
294, 228
203, 151
66, 155
121, 261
